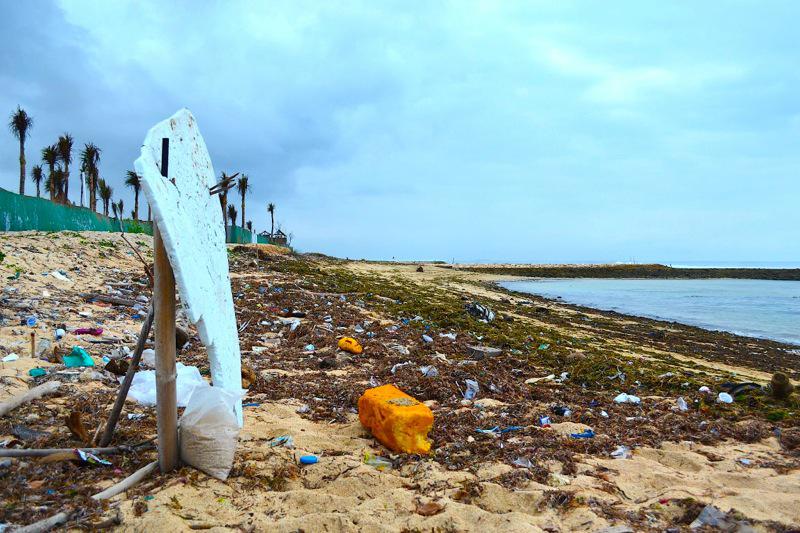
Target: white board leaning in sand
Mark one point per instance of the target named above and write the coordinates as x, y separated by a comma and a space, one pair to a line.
191, 227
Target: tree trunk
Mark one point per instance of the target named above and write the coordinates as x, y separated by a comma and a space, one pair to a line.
136, 205
38, 190
243, 226
272, 217
66, 182
82, 180
21, 165
149, 215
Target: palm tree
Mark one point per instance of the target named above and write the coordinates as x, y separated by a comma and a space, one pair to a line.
271, 211
249, 225
223, 200
118, 209
19, 123
105, 191
50, 156
57, 184
134, 181
243, 186
36, 178
232, 214
90, 157
64, 148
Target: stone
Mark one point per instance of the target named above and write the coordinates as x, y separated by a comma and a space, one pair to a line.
191, 227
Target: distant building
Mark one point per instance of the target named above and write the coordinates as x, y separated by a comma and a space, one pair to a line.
278, 238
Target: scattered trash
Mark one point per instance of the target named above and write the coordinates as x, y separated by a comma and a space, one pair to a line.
430, 508
359, 329
479, 352
286, 441
603, 414
31, 321
427, 338
208, 429
724, 397
472, 389
136, 416
627, 398
399, 348
60, 333
451, 336
309, 348
704, 389
397, 420
76, 427
302, 409
745, 461
682, 405
523, 462
88, 331
585, 434
78, 358
561, 410
10, 357
143, 386
349, 344
148, 358
37, 372
309, 460
497, 431
622, 452
378, 462
90, 458
60, 276
544, 346
429, 371
712, 516
398, 366
118, 367
480, 312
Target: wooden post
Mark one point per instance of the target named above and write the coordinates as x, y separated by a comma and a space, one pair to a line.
164, 321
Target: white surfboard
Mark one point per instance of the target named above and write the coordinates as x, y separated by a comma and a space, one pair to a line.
191, 227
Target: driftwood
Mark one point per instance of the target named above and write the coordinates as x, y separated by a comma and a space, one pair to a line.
126, 383
34, 393
50, 523
115, 300
44, 452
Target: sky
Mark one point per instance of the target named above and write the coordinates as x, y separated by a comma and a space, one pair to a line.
467, 131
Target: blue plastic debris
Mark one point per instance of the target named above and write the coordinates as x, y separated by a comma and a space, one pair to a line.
585, 434
497, 431
309, 460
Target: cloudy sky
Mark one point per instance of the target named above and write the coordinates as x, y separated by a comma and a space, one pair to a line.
475, 131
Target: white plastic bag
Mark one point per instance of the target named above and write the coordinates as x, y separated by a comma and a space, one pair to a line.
143, 386
209, 431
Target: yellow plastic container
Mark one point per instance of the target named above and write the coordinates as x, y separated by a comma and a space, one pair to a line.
397, 420
349, 344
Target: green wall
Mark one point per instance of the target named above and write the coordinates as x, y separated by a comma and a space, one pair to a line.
25, 213
239, 235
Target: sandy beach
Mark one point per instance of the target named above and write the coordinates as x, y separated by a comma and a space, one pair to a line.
741, 457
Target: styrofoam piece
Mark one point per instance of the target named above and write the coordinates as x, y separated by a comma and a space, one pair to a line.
191, 226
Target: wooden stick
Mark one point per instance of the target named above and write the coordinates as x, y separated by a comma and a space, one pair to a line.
166, 396
108, 433
115, 300
127, 483
44, 452
50, 523
34, 393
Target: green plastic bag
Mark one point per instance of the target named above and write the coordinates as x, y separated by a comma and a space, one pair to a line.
78, 357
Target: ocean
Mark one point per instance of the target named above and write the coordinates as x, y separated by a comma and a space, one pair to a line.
756, 308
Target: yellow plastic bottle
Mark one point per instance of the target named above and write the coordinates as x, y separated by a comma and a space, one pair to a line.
397, 420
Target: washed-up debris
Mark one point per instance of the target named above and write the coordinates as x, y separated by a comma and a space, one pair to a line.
399, 348
91, 459
78, 358
430, 508
285, 441
522, 462
621, 452
398, 366
780, 386
499, 431
10, 357
309, 460
60, 275
76, 427
682, 405
627, 398
472, 389
427, 338
451, 336
724, 397
88, 331
27, 434
544, 346
396, 419
585, 434
349, 344
376, 461
37, 372
60, 333
713, 517
561, 410
143, 387
479, 352
481, 312
429, 371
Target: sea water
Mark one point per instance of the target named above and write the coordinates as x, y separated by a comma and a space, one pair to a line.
757, 308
